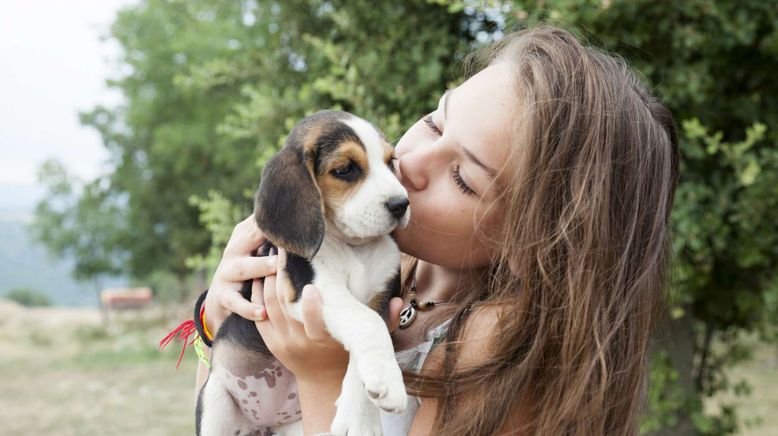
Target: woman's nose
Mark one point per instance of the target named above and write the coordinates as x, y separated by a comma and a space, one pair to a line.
416, 166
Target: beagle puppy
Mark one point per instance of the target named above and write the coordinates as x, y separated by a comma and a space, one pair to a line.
330, 198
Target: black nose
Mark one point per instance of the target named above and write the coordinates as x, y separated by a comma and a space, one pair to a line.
397, 206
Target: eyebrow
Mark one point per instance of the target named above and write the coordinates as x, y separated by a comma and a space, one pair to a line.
491, 171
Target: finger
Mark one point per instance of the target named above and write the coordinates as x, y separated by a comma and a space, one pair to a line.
258, 299
285, 294
283, 284
246, 238
313, 319
235, 302
264, 325
242, 268
395, 307
274, 314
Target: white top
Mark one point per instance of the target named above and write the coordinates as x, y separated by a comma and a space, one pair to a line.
411, 359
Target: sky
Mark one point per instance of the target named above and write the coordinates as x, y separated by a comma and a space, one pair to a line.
53, 65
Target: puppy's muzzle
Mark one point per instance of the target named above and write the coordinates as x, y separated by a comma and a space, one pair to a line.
397, 206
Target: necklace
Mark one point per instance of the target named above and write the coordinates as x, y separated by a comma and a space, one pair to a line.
409, 313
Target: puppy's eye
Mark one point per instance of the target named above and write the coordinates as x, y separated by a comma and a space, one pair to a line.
347, 172
343, 171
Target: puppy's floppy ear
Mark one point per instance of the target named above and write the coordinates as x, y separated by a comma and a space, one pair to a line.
288, 206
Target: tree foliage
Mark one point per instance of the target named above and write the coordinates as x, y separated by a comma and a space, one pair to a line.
28, 297
80, 220
211, 89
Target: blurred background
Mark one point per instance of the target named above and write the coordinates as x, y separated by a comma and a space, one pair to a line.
132, 134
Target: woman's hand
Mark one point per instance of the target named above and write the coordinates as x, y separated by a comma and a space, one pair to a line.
305, 348
237, 265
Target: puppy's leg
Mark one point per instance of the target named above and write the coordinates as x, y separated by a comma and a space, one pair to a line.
218, 414
364, 334
355, 414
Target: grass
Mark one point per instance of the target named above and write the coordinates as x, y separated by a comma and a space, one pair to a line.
87, 379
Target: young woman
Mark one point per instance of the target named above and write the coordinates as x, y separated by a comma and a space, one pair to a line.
540, 194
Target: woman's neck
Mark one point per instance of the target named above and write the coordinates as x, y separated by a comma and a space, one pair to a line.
439, 283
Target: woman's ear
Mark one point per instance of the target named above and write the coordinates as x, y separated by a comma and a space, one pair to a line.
288, 206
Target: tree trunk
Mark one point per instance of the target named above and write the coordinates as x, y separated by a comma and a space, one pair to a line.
182, 277
103, 310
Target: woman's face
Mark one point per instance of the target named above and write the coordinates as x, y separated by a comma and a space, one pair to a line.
447, 162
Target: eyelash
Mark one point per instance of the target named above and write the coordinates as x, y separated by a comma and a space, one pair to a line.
461, 183
431, 124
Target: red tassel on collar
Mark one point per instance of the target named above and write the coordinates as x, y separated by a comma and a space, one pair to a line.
183, 331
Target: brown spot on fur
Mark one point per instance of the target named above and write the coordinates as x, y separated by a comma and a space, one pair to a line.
313, 133
289, 292
269, 379
375, 302
335, 191
242, 384
350, 151
388, 152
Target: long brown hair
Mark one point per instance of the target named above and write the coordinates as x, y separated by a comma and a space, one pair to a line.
583, 251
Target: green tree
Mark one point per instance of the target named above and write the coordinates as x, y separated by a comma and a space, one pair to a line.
211, 89
80, 221
163, 140
28, 297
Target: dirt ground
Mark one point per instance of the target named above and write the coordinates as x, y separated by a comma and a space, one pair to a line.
63, 371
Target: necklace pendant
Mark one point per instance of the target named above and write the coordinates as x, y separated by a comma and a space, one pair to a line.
407, 316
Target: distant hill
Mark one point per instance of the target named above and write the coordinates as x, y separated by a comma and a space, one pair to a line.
26, 264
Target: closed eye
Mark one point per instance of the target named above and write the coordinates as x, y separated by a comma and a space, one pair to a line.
431, 124
464, 187
461, 184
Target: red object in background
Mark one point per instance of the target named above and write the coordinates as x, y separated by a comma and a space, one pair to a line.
125, 298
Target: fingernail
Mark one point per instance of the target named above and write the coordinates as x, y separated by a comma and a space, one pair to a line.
259, 314
307, 291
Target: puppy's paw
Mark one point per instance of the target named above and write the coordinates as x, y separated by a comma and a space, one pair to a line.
348, 421
383, 382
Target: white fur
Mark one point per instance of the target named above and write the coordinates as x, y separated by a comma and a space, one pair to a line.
365, 270
221, 415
